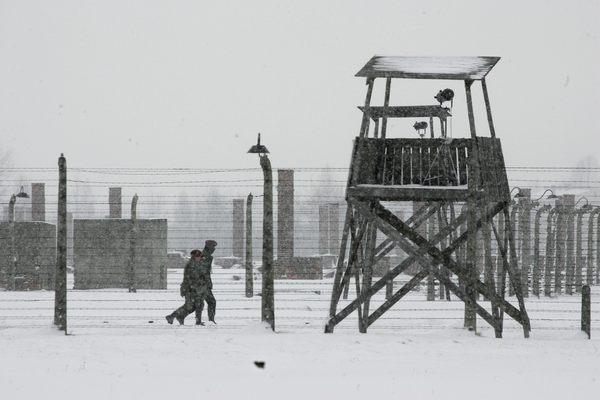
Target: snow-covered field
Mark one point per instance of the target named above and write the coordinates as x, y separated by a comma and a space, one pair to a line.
418, 349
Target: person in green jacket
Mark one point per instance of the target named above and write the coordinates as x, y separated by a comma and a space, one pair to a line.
209, 249
193, 288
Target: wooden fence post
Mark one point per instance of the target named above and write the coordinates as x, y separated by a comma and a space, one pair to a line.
488, 271
389, 285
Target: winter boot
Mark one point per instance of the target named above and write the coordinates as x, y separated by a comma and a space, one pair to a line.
169, 319
199, 322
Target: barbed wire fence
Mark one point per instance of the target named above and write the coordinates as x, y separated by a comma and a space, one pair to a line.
198, 204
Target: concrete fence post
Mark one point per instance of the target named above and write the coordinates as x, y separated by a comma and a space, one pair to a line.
60, 281
586, 312
249, 272
132, 244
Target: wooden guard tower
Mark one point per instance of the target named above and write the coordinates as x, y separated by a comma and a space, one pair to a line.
440, 173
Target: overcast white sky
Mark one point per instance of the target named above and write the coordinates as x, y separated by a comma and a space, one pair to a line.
190, 83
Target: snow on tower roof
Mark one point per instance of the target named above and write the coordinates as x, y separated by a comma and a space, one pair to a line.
461, 68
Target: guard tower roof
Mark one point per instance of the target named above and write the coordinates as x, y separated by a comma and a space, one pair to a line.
460, 68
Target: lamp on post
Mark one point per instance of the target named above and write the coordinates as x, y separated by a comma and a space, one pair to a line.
552, 195
585, 206
11, 219
579, 245
268, 298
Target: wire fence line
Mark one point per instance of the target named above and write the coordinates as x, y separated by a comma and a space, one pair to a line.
200, 209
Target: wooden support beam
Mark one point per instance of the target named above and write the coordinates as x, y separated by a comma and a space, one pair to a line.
382, 246
423, 214
352, 257
431, 127
482, 312
514, 278
423, 193
391, 274
383, 253
364, 127
371, 239
396, 228
430, 266
502, 242
415, 220
339, 270
386, 103
471, 116
488, 108
404, 290
474, 169
443, 256
443, 222
431, 277
360, 312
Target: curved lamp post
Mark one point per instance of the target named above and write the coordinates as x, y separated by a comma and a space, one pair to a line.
536, 250
516, 208
590, 247
578, 249
537, 269
552, 195
550, 257
268, 298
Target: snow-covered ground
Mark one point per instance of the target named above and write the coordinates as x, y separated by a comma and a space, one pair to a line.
418, 349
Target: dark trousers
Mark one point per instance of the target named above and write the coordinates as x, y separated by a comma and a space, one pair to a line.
193, 302
212, 305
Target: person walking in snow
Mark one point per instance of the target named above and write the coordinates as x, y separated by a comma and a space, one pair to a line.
193, 288
209, 249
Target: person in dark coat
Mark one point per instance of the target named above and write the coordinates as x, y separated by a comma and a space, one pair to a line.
209, 249
194, 288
